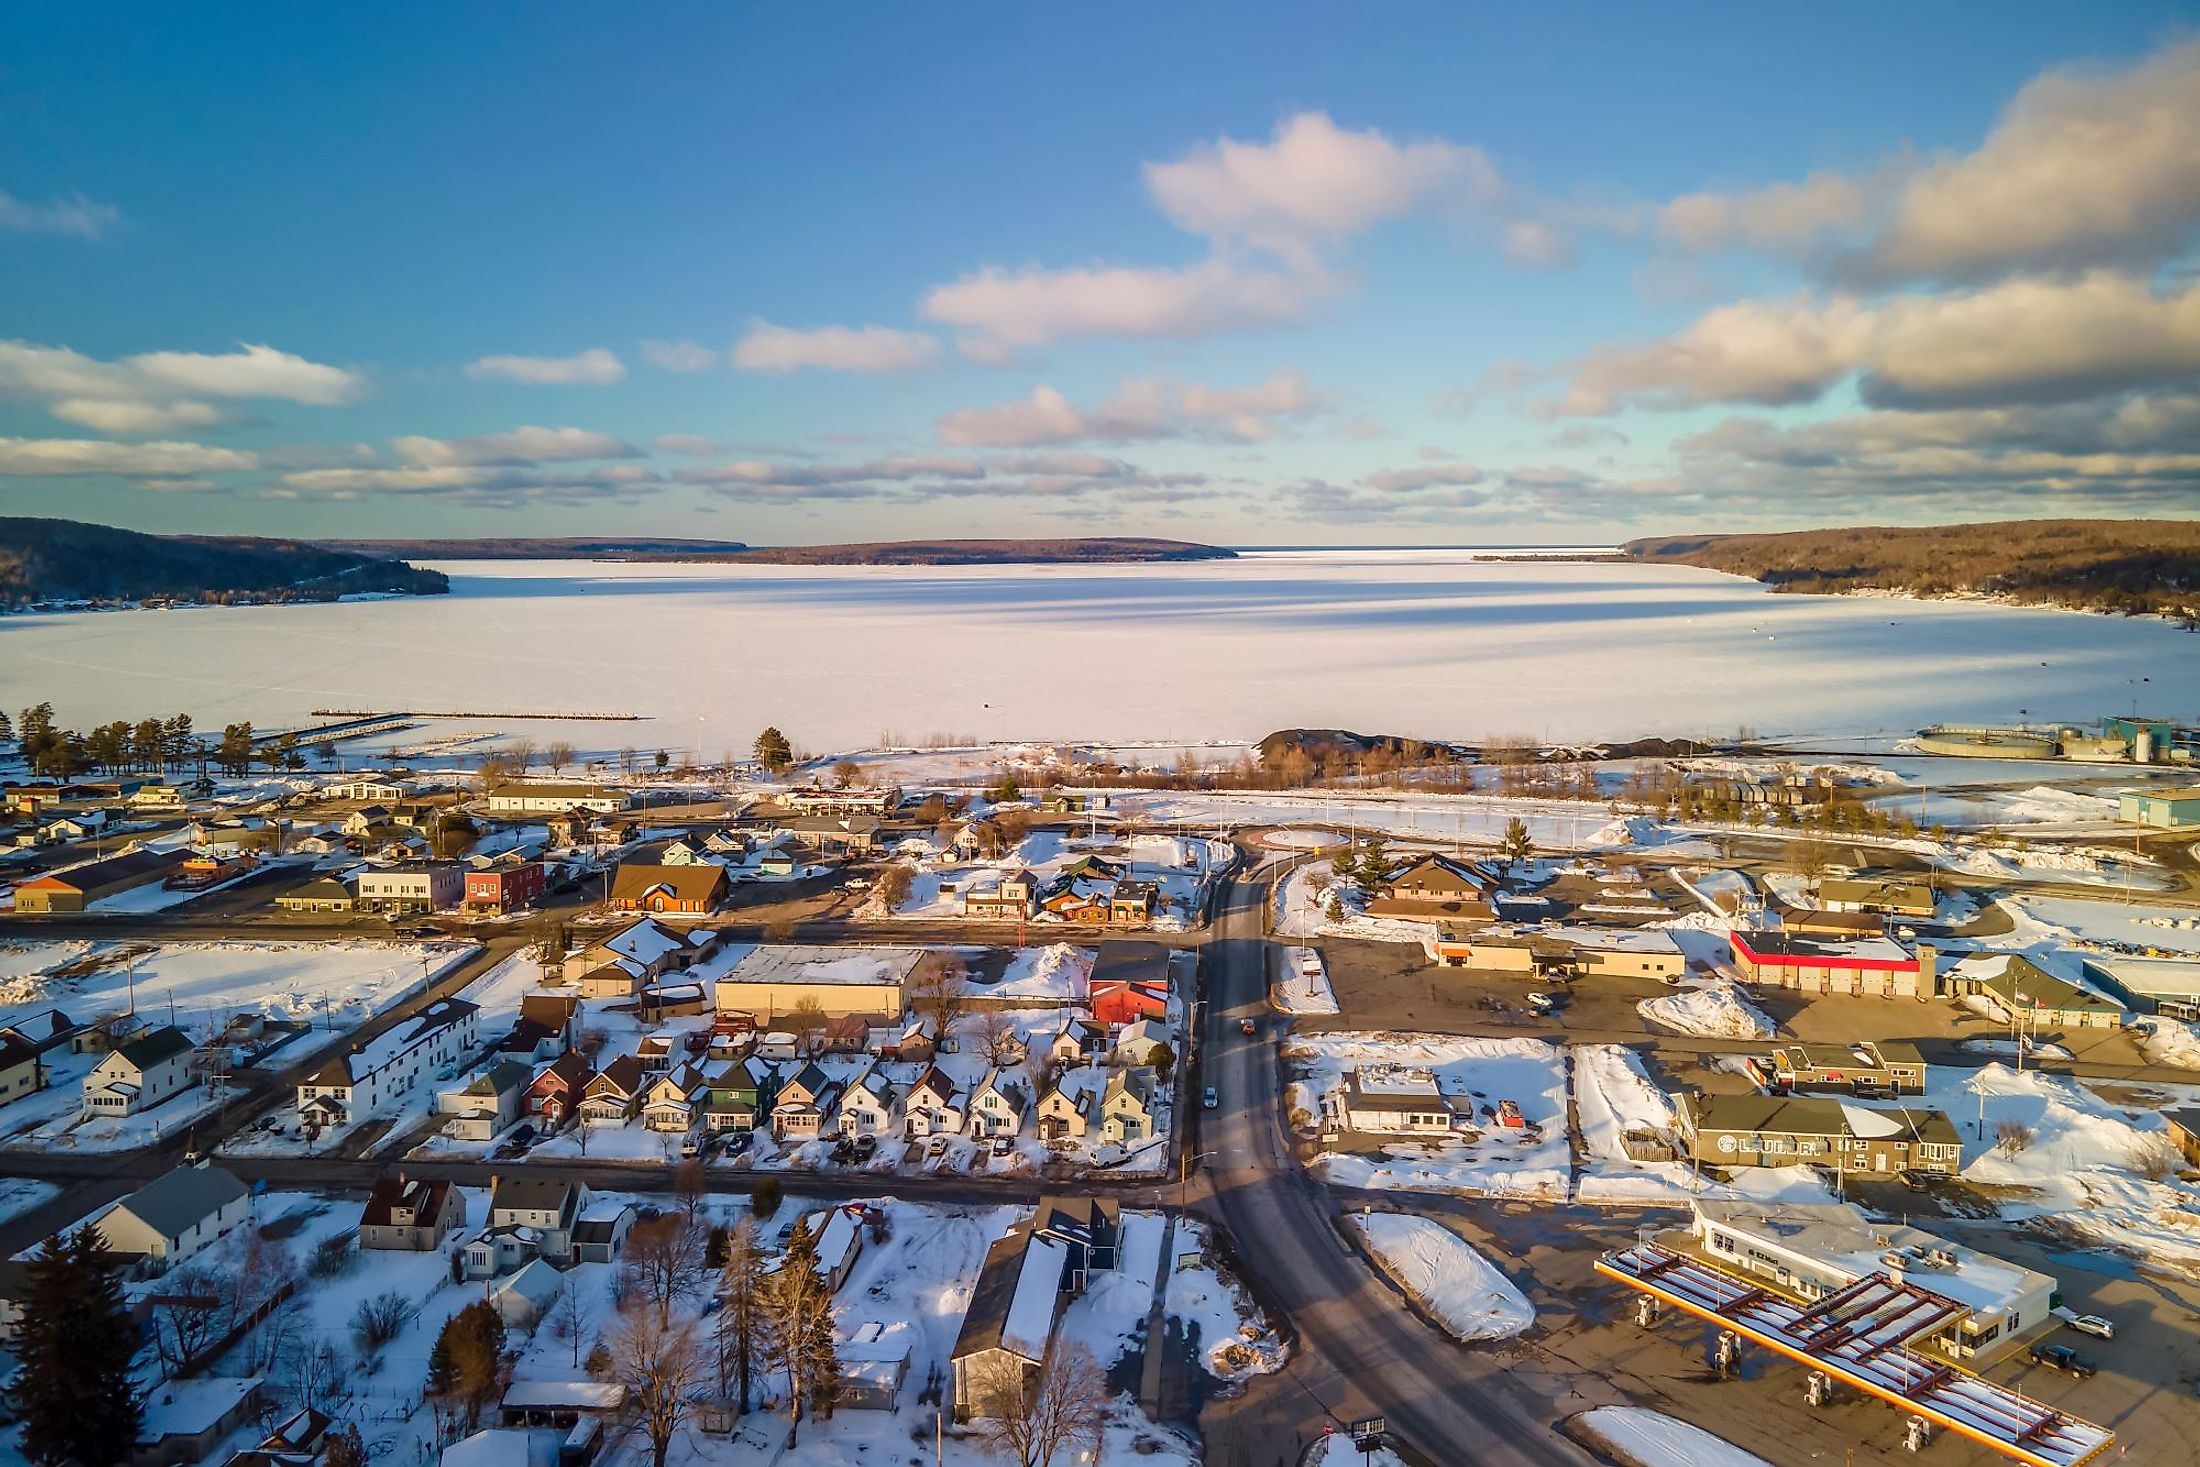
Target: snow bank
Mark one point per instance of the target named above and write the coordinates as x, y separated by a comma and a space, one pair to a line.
1303, 987
1459, 1288
1644, 1438
1718, 1010
1234, 1336
2168, 1041
1056, 973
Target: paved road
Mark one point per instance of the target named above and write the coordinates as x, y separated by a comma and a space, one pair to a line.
1361, 1351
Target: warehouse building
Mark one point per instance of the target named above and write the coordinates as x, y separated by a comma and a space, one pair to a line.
1871, 967
78, 887
771, 981
2163, 809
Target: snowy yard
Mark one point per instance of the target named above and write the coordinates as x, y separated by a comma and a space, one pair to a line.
1301, 985
1532, 1159
1443, 1273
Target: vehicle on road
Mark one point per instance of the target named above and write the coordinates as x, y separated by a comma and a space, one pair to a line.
1247, 1026
1210, 1099
1545, 1003
2095, 1325
2064, 1359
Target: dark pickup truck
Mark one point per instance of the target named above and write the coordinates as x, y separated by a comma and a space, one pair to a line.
2064, 1359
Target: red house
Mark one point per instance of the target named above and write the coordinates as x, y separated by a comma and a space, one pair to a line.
1126, 1003
555, 1094
502, 889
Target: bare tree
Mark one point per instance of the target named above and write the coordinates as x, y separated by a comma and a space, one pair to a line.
664, 1262
661, 1366
691, 1184
936, 991
522, 753
190, 1312
847, 772
591, 1040
1032, 1415
805, 1021
741, 1321
378, 1321
559, 753
997, 1038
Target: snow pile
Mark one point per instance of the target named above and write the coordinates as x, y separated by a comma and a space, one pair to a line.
1718, 1011
1233, 1335
1722, 892
1056, 973
2168, 1041
1303, 987
1446, 1276
1613, 1097
1338, 1451
1644, 1438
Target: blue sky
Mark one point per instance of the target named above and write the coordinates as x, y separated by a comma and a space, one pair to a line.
1255, 274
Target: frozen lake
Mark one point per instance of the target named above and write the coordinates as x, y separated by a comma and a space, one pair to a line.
1428, 643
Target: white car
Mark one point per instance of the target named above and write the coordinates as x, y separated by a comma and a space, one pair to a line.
2093, 1324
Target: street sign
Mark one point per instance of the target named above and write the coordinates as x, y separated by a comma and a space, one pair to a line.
1367, 1429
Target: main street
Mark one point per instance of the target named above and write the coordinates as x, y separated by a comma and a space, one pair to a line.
1361, 1351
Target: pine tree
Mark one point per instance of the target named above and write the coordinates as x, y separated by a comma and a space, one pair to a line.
76, 1342
773, 751
466, 1366
799, 1308
741, 1321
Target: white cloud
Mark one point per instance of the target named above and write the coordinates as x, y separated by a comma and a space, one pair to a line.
109, 415
916, 479
1535, 244
678, 356
159, 392
1143, 409
596, 367
1425, 476
98, 456
872, 349
1311, 184
2085, 167
526, 445
1003, 311
74, 215
2024, 340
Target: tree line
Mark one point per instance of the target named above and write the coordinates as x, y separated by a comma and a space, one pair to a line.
145, 745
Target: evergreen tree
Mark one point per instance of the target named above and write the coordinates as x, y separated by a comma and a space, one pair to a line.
1516, 845
466, 1366
799, 1308
741, 1321
773, 751
74, 1389
235, 751
7, 729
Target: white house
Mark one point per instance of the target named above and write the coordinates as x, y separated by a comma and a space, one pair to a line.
870, 1105
526, 1296
375, 789
934, 1106
540, 797
997, 1107
139, 1074
361, 1082
177, 1217
417, 886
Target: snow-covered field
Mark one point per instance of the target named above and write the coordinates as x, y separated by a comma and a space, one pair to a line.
1056, 973
1234, 648
1302, 983
1644, 1438
1717, 1010
1459, 1288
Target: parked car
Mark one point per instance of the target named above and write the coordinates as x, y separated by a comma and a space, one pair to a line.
1544, 1003
1003, 1145
1210, 1099
2095, 1325
938, 1146
2064, 1359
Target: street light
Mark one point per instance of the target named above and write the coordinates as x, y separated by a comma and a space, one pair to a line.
1184, 1177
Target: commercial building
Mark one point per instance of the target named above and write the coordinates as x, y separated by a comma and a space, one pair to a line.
2165, 809
1884, 895
772, 981
1560, 954
1871, 967
1811, 1250
2149, 985
649, 887
323, 894
502, 889
524, 797
78, 887
1883, 1067
419, 886
2020, 992
1392, 1099
1773, 1130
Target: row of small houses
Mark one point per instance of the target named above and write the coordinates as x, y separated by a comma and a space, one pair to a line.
1091, 890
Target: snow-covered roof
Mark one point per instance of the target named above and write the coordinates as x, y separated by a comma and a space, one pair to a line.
1033, 1309
188, 1407
645, 942
847, 966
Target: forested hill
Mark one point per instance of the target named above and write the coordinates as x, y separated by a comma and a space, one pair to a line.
1089, 550
2133, 567
535, 547
44, 560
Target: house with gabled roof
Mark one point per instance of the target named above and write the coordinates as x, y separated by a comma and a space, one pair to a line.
934, 1105
139, 1073
22, 1071
997, 1106
643, 951
651, 887
554, 1095
410, 1214
486, 1103
805, 1105
674, 1100
738, 1091
1071, 1105
870, 1105
389, 1066
1079, 1039
177, 1217
614, 1093
531, 1215
1129, 1107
